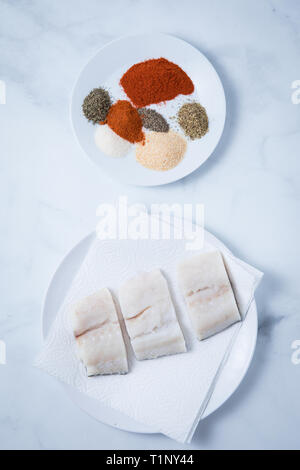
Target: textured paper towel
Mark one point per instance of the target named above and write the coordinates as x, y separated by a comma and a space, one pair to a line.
170, 393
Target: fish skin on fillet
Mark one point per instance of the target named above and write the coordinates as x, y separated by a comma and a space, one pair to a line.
208, 293
99, 339
150, 317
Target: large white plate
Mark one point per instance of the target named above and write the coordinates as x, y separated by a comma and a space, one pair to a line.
107, 67
230, 378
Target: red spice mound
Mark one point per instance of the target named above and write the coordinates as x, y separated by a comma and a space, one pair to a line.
154, 81
125, 121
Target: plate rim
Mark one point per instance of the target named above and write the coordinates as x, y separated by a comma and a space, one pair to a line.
142, 429
92, 57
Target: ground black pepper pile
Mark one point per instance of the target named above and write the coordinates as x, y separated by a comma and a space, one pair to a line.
153, 121
193, 119
96, 105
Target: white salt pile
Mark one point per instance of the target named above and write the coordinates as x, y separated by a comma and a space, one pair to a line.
110, 143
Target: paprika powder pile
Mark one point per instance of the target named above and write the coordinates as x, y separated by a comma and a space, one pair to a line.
125, 121
154, 81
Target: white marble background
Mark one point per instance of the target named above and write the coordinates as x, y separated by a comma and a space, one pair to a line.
50, 191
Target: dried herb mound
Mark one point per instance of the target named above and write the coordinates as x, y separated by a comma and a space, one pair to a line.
153, 120
96, 105
193, 119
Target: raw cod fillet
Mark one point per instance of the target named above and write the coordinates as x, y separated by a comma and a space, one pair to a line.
150, 317
208, 293
100, 344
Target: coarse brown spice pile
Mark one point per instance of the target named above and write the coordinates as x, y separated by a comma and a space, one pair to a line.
153, 121
96, 105
193, 119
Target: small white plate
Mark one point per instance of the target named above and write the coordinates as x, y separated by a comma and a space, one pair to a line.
107, 67
229, 380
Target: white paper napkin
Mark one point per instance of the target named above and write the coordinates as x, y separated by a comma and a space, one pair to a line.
170, 393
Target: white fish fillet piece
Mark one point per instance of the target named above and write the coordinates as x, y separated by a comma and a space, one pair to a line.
208, 293
150, 317
100, 344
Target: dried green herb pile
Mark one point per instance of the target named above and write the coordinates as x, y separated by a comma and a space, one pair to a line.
96, 105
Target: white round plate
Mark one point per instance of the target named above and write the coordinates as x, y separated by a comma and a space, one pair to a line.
107, 67
231, 376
